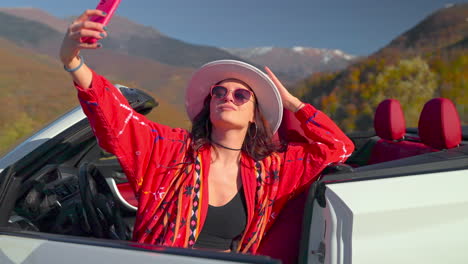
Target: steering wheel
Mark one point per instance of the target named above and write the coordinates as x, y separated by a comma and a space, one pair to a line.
102, 211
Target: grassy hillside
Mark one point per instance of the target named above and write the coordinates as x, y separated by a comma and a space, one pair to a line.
35, 90
132, 52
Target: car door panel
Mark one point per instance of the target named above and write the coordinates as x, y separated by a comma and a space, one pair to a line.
406, 219
35, 248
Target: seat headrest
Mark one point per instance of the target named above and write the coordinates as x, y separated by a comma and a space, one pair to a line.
389, 120
290, 129
439, 124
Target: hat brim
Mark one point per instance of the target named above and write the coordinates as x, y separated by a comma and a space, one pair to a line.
266, 93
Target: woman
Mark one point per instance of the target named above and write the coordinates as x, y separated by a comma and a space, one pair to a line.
222, 185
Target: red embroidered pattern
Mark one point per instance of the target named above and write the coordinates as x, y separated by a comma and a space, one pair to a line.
194, 219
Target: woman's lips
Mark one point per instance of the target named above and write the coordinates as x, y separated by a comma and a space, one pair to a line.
225, 107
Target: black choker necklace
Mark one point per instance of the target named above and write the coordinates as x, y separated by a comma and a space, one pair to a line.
216, 143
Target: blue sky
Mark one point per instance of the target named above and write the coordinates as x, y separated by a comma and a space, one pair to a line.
358, 27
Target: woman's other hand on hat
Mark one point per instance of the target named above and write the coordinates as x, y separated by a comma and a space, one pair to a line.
81, 28
290, 102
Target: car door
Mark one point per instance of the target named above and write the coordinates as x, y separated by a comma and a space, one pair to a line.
407, 211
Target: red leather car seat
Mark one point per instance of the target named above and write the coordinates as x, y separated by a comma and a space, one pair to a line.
390, 126
283, 239
439, 124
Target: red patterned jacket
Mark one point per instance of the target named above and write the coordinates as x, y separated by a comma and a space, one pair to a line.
173, 196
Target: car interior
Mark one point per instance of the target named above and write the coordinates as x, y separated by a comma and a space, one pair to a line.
70, 186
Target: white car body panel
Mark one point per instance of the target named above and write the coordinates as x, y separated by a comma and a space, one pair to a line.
36, 251
394, 220
42, 136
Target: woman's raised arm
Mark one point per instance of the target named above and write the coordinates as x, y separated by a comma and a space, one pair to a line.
302, 163
144, 148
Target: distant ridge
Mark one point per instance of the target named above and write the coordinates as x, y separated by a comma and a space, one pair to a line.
441, 29
26, 32
136, 40
297, 62
133, 39
37, 15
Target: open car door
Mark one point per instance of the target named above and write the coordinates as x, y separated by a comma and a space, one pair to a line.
412, 210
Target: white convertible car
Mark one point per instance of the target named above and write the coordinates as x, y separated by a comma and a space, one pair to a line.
401, 198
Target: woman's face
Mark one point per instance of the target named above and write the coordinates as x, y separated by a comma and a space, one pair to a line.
224, 113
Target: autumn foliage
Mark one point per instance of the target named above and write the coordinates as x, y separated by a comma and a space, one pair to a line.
35, 90
430, 60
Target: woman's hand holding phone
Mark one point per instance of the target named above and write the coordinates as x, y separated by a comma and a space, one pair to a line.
84, 33
82, 28
108, 7
72, 44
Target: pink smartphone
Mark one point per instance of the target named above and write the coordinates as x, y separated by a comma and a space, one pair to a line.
108, 6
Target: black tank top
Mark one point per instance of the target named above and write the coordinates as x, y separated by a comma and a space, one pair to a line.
223, 224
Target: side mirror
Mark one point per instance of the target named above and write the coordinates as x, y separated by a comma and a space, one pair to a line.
140, 101
337, 167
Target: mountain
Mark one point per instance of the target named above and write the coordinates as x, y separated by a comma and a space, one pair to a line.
38, 15
35, 90
429, 60
441, 29
296, 62
135, 53
45, 40
121, 27
129, 43
25, 32
134, 39
29, 53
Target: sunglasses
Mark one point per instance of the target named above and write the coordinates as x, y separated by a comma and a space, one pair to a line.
240, 95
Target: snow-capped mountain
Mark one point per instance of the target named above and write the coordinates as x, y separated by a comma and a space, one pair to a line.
297, 62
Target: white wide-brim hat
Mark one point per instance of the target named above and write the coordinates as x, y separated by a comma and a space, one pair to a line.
266, 93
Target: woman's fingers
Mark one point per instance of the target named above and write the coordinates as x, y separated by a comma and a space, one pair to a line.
90, 46
86, 25
89, 13
275, 79
81, 28
289, 101
83, 33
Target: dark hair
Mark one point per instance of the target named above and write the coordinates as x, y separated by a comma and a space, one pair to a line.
258, 142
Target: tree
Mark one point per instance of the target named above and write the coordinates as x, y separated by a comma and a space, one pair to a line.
411, 82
